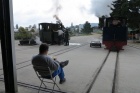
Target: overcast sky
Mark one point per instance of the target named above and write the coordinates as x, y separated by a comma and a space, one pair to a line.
29, 12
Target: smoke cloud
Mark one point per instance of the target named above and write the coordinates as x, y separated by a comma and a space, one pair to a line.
101, 7
57, 19
57, 7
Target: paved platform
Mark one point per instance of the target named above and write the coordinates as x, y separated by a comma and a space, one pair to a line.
84, 62
129, 81
133, 44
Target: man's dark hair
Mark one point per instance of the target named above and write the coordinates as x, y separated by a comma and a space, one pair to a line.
43, 48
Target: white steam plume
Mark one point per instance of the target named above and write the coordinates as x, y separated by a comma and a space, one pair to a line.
101, 7
37, 39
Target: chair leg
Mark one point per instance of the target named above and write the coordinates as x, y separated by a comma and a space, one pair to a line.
40, 86
44, 85
57, 86
43, 82
55, 83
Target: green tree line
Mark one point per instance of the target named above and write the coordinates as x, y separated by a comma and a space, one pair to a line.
87, 29
129, 9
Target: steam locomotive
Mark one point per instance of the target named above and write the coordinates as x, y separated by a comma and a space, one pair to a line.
115, 33
49, 33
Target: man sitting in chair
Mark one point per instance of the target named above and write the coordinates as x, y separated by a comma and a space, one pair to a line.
56, 67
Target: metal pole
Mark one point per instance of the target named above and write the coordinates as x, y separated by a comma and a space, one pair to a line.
7, 46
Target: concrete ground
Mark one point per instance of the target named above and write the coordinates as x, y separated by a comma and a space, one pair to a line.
84, 62
103, 84
131, 43
129, 67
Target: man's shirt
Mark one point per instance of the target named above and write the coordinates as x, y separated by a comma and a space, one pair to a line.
45, 61
60, 32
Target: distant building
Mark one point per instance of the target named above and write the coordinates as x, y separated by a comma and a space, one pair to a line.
72, 28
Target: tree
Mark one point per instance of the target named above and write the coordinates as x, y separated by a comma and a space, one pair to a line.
87, 28
101, 21
21, 29
32, 30
120, 8
23, 33
134, 14
129, 9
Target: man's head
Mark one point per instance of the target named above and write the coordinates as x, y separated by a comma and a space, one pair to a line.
43, 49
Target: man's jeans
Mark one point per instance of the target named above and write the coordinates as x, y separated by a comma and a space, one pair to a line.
59, 72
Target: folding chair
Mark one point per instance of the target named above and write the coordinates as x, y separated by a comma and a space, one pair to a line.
43, 73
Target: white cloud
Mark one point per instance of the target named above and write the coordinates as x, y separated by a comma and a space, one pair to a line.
28, 12
101, 7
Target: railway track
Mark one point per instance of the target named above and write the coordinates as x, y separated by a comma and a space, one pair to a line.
57, 53
47, 90
115, 79
48, 54
99, 71
96, 75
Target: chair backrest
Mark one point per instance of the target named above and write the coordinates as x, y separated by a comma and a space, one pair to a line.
42, 71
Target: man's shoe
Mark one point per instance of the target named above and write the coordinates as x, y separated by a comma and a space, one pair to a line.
65, 63
62, 81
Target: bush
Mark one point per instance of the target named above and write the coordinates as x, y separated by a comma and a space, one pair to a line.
23, 34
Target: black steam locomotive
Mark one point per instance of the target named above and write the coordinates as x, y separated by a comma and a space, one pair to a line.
49, 33
115, 33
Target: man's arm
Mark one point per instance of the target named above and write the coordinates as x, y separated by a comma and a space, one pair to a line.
52, 64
